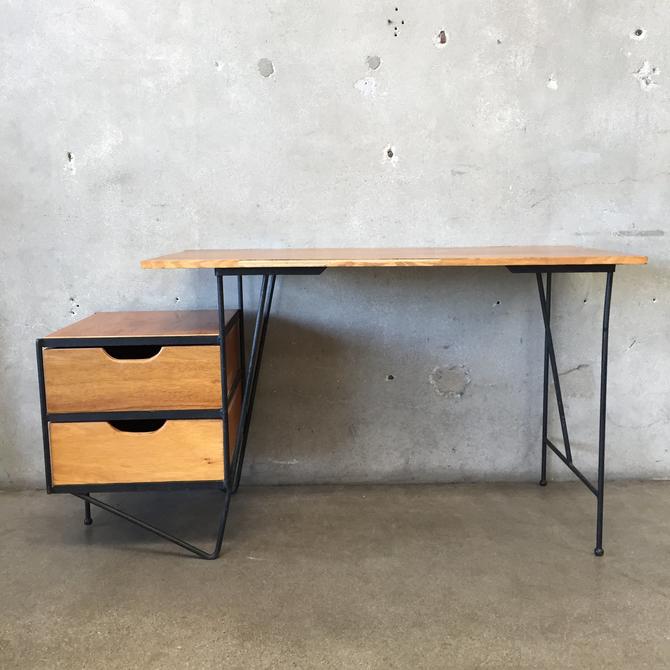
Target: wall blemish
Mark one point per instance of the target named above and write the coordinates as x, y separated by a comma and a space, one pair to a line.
552, 83
450, 382
640, 233
366, 86
638, 34
266, 67
646, 75
373, 62
577, 368
70, 166
395, 22
390, 155
74, 306
440, 39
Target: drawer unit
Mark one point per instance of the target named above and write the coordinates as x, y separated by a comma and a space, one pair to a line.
134, 398
140, 451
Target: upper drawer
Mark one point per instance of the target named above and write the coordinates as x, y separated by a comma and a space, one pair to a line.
177, 377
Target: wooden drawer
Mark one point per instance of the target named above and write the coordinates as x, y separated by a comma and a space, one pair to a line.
178, 451
108, 380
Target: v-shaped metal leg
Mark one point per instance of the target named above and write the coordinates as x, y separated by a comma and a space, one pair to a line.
201, 553
252, 371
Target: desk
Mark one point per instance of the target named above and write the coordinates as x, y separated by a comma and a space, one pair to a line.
542, 261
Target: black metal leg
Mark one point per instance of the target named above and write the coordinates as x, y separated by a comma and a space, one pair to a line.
240, 307
253, 370
87, 513
549, 345
550, 361
545, 388
201, 553
224, 382
603, 415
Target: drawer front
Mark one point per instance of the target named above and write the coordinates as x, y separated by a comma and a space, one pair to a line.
179, 451
182, 377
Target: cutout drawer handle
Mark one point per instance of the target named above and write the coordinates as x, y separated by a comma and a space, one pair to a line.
138, 426
134, 352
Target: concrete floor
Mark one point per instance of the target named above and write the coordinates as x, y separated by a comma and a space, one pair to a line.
457, 576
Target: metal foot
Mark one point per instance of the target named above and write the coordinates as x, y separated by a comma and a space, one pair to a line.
599, 551
543, 482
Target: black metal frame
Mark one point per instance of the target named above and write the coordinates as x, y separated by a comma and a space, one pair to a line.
248, 378
544, 289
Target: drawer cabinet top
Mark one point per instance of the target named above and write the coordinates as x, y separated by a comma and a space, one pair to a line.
180, 323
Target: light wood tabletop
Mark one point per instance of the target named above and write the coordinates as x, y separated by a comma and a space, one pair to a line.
398, 257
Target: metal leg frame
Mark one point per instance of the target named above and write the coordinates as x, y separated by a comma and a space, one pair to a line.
550, 364
227, 461
252, 372
250, 369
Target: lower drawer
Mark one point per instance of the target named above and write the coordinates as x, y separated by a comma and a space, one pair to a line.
99, 452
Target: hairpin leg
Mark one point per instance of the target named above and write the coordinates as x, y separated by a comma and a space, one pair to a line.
253, 370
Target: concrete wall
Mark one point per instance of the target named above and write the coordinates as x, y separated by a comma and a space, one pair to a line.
130, 129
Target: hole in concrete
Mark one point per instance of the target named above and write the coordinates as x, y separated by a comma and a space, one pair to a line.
374, 62
266, 67
440, 40
70, 157
638, 34
389, 378
390, 154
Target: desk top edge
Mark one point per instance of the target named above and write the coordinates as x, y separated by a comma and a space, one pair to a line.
392, 257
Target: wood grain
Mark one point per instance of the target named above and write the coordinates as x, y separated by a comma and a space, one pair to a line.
180, 377
360, 257
176, 323
180, 451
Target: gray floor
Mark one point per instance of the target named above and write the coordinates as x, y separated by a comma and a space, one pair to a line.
460, 576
